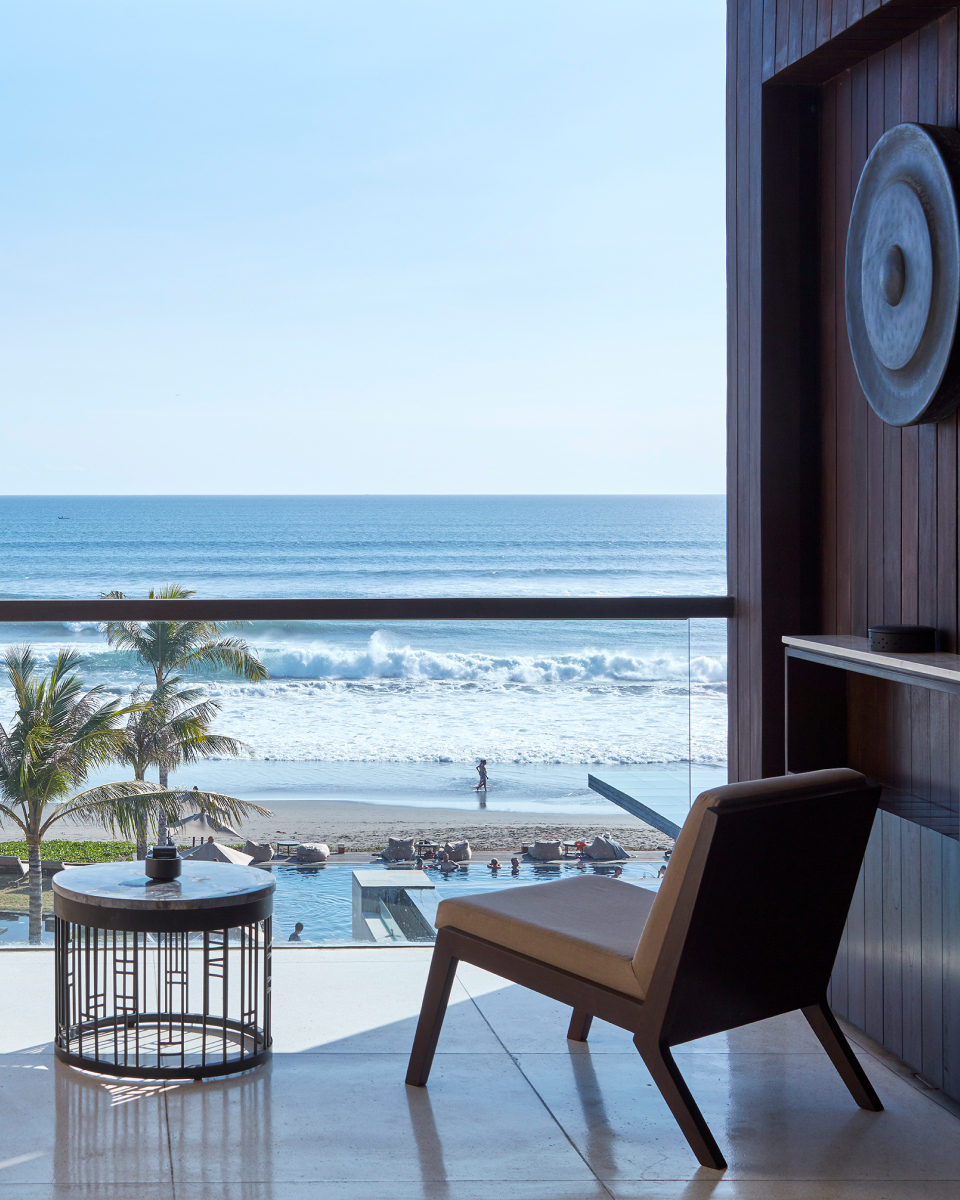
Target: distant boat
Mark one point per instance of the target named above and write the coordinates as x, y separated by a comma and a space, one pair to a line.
63, 518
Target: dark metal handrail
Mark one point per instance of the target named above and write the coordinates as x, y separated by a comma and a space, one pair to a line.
446, 608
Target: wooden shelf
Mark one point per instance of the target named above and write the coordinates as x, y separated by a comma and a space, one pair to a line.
895, 717
936, 670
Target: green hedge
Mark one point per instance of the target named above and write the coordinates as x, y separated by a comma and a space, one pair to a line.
61, 851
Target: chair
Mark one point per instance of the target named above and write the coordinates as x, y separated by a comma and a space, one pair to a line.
746, 926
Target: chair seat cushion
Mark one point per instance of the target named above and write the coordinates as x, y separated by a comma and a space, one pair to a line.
589, 926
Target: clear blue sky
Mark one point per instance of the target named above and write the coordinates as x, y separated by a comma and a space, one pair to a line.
362, 246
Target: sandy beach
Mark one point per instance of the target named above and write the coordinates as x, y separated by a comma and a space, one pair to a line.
367, 826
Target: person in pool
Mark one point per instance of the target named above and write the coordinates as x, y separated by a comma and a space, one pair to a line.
295, 936
482, 772
494, 864
445, 864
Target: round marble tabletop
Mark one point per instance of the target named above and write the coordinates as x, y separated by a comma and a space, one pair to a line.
201, 886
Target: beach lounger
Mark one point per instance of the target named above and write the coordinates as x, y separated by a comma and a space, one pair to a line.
740, 931
10, 864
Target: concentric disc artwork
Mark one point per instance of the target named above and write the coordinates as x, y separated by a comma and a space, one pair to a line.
903, 275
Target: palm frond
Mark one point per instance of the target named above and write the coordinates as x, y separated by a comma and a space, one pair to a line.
171, 591
131, 807
231, 653
9, 813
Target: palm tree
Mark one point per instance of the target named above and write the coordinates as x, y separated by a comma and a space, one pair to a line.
169, 646
58, 736
168, 728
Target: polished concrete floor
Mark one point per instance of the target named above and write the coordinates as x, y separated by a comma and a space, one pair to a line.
513, 1110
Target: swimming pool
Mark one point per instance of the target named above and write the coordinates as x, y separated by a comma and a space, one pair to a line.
320, 895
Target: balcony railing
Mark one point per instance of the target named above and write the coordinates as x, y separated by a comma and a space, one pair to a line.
446, 608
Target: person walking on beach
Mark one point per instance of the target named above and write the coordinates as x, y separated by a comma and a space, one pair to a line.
482, 772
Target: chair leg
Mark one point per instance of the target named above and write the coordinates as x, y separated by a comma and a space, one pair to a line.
824, 1025
660, 1063
443, 970
580, 1024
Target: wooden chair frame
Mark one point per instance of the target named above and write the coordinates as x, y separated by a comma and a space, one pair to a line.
777, 960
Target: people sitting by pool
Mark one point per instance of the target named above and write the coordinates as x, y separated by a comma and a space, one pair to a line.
297, 930
494, 864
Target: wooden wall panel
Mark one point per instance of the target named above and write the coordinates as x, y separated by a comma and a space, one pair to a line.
897, 975
890, 544
890, 528
812, 40
835, 520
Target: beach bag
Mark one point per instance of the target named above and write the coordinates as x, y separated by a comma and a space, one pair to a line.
257, 852
398, 850
461, 852
313, 852
603, 848
546, 851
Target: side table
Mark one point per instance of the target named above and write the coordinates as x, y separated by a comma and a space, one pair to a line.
163, 978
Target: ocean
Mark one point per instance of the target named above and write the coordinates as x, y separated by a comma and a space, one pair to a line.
400, 712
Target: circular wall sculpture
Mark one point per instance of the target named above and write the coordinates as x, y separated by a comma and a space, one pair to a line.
903, 275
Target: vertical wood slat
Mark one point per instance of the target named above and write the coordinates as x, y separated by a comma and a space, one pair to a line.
783, 33
947, 531
892, 935
754, 477
873, 932
931, 956
795, 29
927, 591
857, 403
829, 301
927, 588
854, 937
845, 369
910, 437
838, 17
742, 138
875, 427
734, 333
948, 62
910, 950
909, 525
769, 38
824, 20
951, 965
808, 36
892, 437
941, 733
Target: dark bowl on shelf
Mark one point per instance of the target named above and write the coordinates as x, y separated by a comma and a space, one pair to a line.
902, 639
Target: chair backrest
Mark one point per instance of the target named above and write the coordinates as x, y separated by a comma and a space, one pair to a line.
756, 931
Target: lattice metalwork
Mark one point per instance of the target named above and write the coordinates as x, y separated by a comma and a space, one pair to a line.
163, 1005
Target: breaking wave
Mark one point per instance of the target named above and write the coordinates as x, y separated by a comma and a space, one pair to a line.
381, 660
